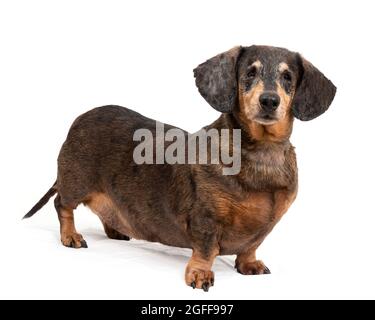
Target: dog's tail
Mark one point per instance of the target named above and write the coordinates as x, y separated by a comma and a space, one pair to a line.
42, 201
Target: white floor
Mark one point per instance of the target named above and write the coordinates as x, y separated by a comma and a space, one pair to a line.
35, 265
117, 52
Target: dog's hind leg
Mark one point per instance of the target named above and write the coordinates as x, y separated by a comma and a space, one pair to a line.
114, 234
69, 236
115, 227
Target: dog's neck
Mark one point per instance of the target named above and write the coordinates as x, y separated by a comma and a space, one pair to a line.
267, 157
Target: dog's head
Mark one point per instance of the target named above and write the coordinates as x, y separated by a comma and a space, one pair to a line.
264, 84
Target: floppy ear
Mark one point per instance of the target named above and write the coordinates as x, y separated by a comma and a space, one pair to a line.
314, 92
216, 80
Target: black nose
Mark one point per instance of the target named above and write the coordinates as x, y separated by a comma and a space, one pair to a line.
269, 101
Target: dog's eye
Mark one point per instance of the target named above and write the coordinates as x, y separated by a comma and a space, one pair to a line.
252, 73
287, 76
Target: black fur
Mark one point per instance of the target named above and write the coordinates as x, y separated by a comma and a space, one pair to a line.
42, 202
216, 80
314, 93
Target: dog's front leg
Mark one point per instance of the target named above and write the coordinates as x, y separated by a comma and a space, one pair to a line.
247, 264
205, 246
198, 272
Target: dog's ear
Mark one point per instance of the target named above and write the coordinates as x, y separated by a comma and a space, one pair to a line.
314, 92
216, 80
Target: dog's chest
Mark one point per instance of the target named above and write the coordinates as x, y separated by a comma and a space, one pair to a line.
270, 174
247, 222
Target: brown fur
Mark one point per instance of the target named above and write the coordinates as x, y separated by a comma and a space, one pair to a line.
115, 225
69, 236
249, 108
195, 206
114, 234
198, 272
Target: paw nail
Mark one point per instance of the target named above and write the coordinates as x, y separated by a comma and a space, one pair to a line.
205, 286
266, 271
193, 285
84, 244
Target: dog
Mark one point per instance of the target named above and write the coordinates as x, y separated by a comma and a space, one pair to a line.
258, 90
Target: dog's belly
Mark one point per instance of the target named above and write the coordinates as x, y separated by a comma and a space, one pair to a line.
248, 222
244, 224
141, 227
102, 205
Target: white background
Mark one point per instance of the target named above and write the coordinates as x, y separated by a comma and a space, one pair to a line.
58, 59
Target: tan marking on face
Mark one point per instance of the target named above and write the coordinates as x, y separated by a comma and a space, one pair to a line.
249, 101
277, 130
257, 64
250, 108
281, 129
285, 99
283, 67
285, 102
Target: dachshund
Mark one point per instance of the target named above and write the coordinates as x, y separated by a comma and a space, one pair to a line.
258, 90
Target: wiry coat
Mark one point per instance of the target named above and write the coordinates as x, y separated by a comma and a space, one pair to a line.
195, 206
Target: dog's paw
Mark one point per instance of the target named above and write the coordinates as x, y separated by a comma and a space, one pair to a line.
200, 279
252, 268
118, 236
123, 237
73, 240
114, 234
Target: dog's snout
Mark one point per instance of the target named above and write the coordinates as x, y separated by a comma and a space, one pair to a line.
269, 101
